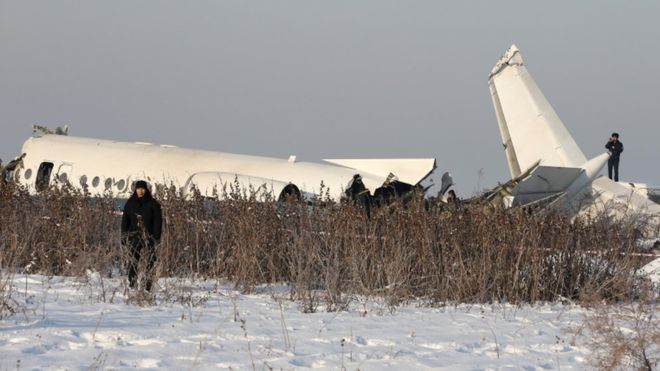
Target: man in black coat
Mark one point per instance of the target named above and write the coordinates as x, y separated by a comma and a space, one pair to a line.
615, 147
141, 227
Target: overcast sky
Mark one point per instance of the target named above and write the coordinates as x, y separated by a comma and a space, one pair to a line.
330, 79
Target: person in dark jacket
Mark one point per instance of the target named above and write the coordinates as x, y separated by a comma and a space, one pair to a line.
451, 197
615, 147
141, 228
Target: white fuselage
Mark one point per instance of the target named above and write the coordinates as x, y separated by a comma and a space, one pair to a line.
104, 166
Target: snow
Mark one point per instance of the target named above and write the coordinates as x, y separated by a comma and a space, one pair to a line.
652, 271
67, 323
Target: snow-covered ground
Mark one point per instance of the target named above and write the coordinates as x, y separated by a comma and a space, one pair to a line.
65, 323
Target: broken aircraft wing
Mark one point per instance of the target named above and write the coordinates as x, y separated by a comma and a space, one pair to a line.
543, 182
411, 171
626, 200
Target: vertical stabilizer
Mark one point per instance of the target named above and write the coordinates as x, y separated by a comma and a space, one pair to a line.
530, 128
509, 150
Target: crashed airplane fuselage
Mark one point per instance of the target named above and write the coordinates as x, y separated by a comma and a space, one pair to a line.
111, 167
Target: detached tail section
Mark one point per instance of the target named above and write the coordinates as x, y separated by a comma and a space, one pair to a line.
556, 172
533, 134
529, 126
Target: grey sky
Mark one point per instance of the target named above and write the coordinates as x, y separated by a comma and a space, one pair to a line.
329, 79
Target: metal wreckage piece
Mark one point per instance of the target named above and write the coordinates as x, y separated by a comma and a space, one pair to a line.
103, 167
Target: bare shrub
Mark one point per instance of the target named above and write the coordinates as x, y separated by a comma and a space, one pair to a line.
59, 231
7, 304
624, 336
330, 252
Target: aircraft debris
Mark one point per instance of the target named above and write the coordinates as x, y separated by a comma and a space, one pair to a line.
109, 167
558, 173
40, 130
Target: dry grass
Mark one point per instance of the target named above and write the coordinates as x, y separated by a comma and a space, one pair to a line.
624, 336
330, 252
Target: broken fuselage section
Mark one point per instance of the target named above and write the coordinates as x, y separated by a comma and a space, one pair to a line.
556, 171
105, 167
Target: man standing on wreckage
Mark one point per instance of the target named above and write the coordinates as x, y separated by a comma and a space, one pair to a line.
141, 228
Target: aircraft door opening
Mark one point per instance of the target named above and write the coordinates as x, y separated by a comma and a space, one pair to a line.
64, 173
43, 176
290, 192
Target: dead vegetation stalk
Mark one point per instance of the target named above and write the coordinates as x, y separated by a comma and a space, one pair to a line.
330, 252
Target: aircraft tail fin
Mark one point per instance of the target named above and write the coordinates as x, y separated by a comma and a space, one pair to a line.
530, 128
543, 182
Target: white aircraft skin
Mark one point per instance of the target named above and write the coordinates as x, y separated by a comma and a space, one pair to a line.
532, 131
650, 192
104, 166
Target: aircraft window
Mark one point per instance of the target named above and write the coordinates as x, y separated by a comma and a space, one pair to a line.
96, 181
28, 174
83, 180
43, 175
108, 183
121, 185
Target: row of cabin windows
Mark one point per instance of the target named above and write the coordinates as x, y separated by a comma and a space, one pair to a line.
46, 169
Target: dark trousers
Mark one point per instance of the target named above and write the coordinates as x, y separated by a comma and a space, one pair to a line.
139, 247
613, 164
